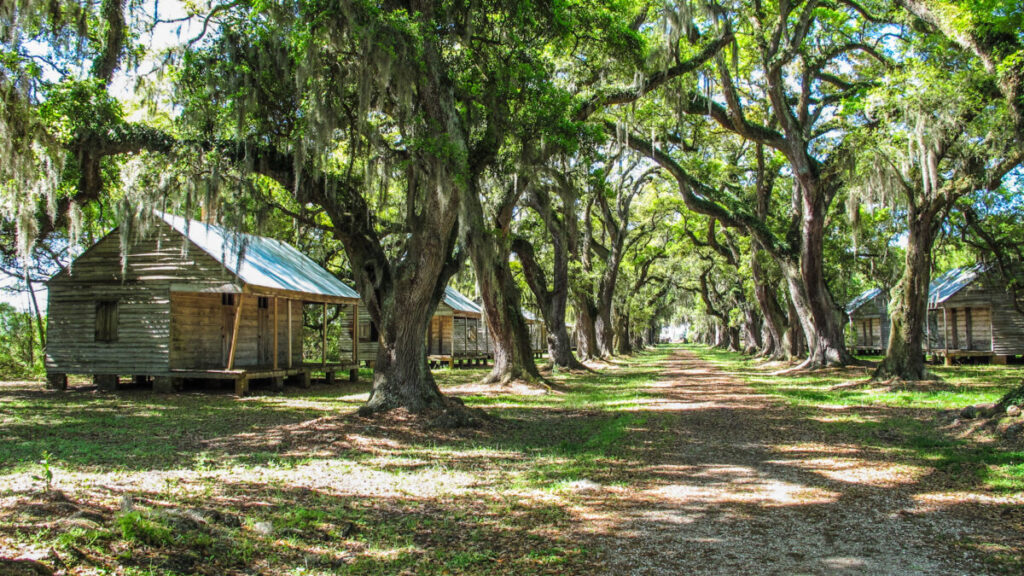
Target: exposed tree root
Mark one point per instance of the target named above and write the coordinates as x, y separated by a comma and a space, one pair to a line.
452, 413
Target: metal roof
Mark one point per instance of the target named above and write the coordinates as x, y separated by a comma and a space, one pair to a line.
460, 303
260, 261
864, 298
529, 316
951, 282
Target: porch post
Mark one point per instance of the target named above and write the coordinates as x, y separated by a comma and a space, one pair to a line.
234, 332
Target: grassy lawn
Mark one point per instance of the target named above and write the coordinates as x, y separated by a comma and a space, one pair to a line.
292, 483
914, 423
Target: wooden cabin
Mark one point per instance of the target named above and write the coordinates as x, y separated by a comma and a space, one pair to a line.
188, 300
971, 314
869, 320
538, 333
457, 331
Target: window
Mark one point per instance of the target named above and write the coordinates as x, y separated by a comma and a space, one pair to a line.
227, 299
368, 332
263, 302
106, 321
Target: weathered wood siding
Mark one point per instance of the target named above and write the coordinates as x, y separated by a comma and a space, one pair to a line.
439, 335
367, 347
466, 340
996, 325
141, 286
871, 324
143, 329
201, 329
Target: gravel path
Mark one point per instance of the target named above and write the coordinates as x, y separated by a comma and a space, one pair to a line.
745, 485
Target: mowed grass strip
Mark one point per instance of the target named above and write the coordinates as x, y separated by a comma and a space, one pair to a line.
205, 483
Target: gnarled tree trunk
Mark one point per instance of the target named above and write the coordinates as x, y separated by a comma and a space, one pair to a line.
904, 357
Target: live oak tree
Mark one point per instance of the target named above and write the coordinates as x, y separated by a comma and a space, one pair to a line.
943, 139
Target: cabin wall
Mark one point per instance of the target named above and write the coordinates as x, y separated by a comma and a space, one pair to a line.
202, 326
466, 339
440, 334
142, 341
1005, 321
141, 285
997, 326
871, 324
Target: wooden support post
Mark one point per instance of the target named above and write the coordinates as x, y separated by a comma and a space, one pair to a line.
56, 381
290, 328
945, 337
355, 342
329, 376
277, 329
234, 333
353, 374
999, 359
304, 379
105, 381
278, 383
166, 384
323, 339
241, 385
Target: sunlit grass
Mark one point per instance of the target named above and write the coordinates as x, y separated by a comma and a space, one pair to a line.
898, 421
283, 500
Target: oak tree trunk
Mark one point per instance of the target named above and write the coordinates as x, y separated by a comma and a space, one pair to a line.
904, 357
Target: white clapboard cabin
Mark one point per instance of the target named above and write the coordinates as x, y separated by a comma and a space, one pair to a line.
971, 314
188, 300
869, 320
457, 332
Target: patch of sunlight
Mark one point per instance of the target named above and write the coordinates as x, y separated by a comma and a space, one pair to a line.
843, 562
856, 471
934, 501
843, 417
816, 447
739, 484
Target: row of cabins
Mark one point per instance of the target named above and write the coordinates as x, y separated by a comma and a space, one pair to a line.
189, 300
970, 314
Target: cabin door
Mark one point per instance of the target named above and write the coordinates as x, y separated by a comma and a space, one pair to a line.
264, 333
227, 325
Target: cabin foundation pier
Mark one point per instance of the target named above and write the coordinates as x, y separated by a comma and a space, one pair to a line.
241, 385
105, 382
277, 384
56, 381
353, 375
167, 384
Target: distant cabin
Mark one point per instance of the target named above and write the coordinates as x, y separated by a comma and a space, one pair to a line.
869, 319
188, 300
538, 333
457, 331
971, 314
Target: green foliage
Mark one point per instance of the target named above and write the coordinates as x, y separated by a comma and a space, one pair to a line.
45, 472
21, 354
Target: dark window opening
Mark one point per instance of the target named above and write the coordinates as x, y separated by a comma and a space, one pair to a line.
368, 332
227, 299
263, 302
106, 321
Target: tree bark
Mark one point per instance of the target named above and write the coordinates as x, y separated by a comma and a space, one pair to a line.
489, 249
822, 328
904, 357
554, 302
586, 335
